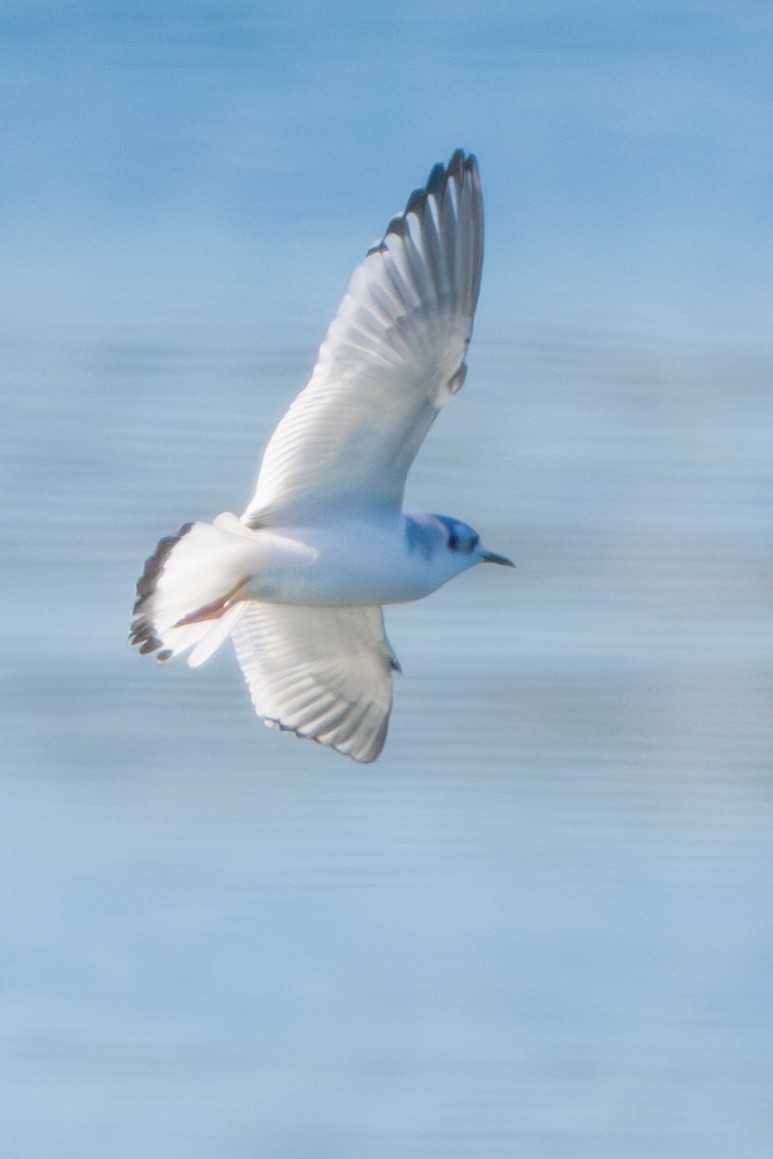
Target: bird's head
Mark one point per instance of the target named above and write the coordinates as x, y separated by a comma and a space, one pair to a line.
463, 542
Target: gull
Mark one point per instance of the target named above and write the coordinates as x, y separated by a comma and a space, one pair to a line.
300, 579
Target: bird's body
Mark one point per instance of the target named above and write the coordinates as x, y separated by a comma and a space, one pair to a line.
382, 558
299, 580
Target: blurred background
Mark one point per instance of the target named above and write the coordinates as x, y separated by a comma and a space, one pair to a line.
541, 924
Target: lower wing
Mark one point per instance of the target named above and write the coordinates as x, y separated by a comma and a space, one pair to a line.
322, 673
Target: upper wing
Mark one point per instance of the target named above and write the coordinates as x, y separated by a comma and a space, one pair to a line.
324, 673
394, 354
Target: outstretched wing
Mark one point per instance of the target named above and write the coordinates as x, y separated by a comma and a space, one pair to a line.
323, 673
393, 356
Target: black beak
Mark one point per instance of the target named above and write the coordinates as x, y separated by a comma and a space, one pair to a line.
492, 557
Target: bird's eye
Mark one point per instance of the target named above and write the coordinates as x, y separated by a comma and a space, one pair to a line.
461, 538
464, 540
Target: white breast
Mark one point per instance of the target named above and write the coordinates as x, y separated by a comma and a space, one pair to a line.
352, 563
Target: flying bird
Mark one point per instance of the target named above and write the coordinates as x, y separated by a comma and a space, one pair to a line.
299, 580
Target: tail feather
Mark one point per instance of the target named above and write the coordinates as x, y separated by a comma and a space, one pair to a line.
188, 595
218, 633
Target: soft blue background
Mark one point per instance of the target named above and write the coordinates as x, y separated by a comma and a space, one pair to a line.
540, 925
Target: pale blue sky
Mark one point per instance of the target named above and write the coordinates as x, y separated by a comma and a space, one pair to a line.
174, 165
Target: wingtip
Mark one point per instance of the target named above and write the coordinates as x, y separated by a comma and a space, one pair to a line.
462, 163
456, 165
366, 756
459, 165
436, 179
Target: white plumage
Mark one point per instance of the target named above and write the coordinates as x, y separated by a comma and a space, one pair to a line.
321, 672
299, 580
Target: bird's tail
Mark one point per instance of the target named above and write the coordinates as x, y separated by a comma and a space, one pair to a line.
191, 593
